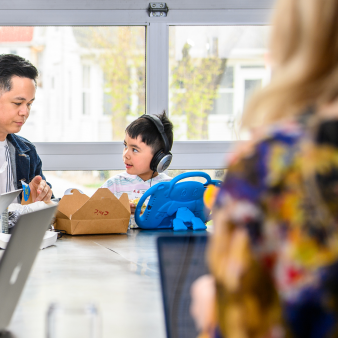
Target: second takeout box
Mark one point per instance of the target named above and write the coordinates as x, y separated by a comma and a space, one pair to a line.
103, 213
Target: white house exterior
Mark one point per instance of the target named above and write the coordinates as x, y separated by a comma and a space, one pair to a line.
69, 104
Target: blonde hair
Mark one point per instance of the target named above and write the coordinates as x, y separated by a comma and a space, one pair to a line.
304, 49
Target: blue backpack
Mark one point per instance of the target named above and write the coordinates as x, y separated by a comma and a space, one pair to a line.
176, 206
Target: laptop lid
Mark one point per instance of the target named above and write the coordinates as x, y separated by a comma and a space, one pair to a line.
7, 198
181, 261
19, 257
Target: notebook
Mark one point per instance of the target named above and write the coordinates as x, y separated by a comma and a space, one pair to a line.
19, 257
49, 239
181, 262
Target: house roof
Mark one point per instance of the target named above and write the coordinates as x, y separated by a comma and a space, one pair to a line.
16, 34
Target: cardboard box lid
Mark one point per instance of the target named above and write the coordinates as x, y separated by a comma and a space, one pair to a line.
106, 208
124, 199
106, 193
102, 205
70, 203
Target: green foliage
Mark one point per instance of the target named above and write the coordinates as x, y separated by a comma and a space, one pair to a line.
194, 85
93, 185
120, 51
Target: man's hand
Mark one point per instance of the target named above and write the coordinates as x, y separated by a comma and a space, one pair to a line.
40, 190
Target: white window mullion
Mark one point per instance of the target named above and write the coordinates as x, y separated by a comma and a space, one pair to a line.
157, 67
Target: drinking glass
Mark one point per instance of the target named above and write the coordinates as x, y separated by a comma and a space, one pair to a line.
73, 320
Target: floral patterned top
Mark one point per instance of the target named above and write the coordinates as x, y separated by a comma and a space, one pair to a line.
284, 192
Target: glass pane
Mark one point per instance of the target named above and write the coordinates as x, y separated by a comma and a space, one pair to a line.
212, 72
89, 181
223, 104
91, 83
250, 86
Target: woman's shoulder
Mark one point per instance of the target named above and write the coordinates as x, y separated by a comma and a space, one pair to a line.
259, 163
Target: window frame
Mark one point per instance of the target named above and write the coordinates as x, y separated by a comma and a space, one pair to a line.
107, 156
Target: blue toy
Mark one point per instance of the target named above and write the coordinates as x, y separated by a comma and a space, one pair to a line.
175, 205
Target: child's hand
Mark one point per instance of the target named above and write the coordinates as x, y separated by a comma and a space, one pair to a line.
132, 207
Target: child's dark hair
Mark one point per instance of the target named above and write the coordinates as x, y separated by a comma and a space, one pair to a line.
150, 134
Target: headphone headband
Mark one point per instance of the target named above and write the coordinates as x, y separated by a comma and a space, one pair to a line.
161, 159
160, 128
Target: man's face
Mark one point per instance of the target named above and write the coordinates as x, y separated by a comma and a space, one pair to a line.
137, 157
15, 105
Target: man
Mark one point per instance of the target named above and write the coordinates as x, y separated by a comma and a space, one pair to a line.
18, 157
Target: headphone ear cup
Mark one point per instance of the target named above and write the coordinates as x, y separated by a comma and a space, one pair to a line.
156, 159
160, 161
164, 163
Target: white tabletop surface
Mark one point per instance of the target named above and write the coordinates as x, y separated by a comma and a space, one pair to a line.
118, 273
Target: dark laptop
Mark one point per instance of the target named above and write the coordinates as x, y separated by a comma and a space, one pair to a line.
18, 258
181, 262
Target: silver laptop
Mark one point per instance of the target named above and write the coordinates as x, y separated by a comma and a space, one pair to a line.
19, 257
7, 198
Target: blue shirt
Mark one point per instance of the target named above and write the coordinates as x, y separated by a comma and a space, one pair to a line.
25, 161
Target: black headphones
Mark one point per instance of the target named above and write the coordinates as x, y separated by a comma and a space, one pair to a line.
162, 159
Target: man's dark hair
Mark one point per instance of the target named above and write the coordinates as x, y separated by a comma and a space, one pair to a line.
14, 65
150, 134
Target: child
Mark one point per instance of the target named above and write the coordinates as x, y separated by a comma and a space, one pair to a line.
143, 144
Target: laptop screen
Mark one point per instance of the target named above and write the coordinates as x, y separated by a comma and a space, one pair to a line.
182, 261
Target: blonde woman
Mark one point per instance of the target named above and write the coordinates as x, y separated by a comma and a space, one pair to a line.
274, 252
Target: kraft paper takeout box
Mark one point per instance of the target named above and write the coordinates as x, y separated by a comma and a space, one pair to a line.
103, 213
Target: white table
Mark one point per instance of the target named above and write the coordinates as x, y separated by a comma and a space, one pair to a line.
119, 273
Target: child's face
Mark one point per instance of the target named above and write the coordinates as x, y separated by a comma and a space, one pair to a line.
137, 157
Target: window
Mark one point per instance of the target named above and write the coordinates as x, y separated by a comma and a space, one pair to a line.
89, 181
54, 39
92, 75
224, 104
86, 89
107, 97
212, 72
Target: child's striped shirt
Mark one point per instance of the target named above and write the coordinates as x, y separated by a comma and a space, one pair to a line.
133, 185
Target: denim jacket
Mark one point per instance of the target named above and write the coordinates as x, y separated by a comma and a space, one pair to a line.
25, 162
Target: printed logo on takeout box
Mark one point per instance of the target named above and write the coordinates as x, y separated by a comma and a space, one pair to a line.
103, 213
